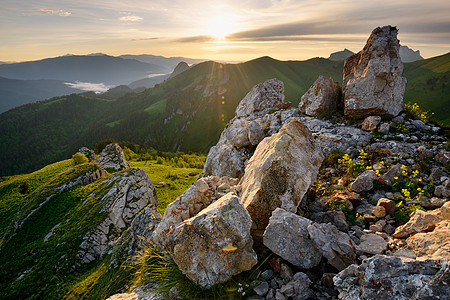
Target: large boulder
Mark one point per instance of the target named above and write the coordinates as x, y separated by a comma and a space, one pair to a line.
324, 94
287, 236
373, 82
389, 277
129, 193
279, 173
336, 246
215, 244
202, 193
247, 128
112, 158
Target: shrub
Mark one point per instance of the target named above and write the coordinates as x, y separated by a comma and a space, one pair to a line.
102, 144
415, 112
24, 188
79, 158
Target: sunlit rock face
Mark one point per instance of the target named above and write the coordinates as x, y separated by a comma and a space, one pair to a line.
215, 244
112, 158
373, 82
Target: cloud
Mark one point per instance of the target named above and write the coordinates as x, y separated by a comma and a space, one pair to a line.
130, 18
146, 39
56, 12
195, 39
89, 86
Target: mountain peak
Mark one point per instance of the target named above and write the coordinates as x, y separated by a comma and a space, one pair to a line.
180, 68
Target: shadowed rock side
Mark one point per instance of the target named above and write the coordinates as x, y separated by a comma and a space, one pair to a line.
373, 82
323, 95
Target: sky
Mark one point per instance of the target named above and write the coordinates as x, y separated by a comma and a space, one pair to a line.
227, 30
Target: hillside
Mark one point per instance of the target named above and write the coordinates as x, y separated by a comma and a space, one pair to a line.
186, 112
84, 68
429, 85
42, 229
19, 92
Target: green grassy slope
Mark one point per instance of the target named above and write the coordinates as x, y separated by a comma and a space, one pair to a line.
429, 85
37, 265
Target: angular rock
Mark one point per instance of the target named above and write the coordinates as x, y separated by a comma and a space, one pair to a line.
389, 205
242, 133
112, 158
364, 182
279, 173
432, 244
372, 244
224, 159
298, 287
419, 221
392, 173
262, 97
384, 127
443, 190
389, 277
324, 94
287, 236
336, 246
379, 211
90, 154
370, 123
373, 84
202, 193
215, 244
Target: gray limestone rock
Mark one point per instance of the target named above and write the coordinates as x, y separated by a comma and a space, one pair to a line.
287, 236
373, 84
324, 94
336, 246
216, 243
390, 277
112, 158
364, 182
279, 173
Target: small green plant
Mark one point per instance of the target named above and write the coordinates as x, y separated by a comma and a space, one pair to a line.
327, 114
409, 185
414, 111
354, 168
332, 158
266, 127
79, 158
399, 127
403, 215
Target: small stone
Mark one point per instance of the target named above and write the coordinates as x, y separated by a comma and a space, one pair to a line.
384, 127
372, 244
364, 182
389, 229
370, 123
389, 205
286, 272
379, 211
262, 288
266, 275
437, 202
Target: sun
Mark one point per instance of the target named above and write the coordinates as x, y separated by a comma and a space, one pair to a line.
219, 27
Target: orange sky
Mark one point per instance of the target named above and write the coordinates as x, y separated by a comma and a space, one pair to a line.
222, 30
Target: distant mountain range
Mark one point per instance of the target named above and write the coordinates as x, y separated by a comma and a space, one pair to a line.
14, 92
406, 54
186, 112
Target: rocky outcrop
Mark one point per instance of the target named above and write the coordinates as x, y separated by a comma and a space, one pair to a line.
129, 192
90, 154
325, 94
372, 78
420, 221
247, 128
215, 244
389, 277
279, 174
287, 236
112, 158
200, 195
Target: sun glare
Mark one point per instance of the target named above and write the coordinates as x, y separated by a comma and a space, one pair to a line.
219, 26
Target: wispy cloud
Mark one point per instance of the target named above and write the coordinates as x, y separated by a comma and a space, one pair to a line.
56, 12
195, 39
130, 18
